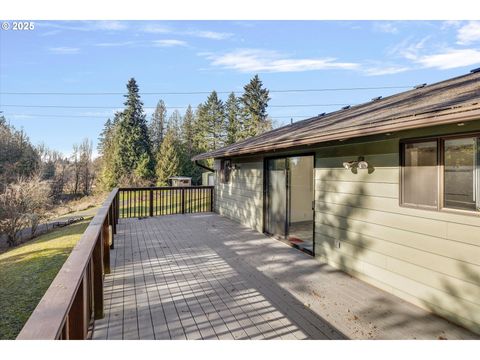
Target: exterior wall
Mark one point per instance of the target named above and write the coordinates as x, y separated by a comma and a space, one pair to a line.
242, 198
429, 258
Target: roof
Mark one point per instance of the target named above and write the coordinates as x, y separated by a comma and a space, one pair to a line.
449, 101
180, 178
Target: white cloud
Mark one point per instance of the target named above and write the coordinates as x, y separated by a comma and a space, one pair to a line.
156, 29
257, 60
64, 50
168, 43
468, 33
109, 25
385, 70
213, 35
449, 59
385, 27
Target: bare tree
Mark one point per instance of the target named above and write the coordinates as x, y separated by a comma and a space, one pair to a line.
22, 204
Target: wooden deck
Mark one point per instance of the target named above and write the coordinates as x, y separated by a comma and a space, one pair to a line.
205, 277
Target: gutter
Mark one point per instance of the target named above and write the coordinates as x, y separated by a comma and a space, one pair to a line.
203, 166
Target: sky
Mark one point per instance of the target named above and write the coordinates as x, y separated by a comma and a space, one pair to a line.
86, 64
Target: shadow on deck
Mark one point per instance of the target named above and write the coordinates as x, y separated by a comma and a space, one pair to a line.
206, 277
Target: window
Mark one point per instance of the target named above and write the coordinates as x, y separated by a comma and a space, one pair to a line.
461, 174
225, 170
420, 174
441, 173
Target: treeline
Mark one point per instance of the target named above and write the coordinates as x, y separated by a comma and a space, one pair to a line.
34, 179
137, 152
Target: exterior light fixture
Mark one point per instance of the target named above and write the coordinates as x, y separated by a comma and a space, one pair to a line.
349, 164
356, 164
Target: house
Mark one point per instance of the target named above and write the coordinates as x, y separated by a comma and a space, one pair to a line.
387, 191
179, 181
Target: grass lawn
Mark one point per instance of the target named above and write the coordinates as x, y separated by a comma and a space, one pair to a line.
27, 271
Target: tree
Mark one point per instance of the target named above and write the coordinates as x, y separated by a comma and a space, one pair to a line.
188, 167
254, 109
22, 204
86, 166
108, 176
168, 162
210, 127
157, 126
132, 151
233, 126
18, 157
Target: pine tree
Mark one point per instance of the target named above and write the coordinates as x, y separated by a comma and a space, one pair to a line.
233, 126
106, 148
104, 136
168, 162
188, 167
211, 123
157, 126
254, 109
133, 156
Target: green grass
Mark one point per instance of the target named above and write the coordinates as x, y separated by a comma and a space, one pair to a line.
27, 271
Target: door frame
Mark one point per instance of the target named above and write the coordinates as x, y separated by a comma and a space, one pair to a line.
287, 210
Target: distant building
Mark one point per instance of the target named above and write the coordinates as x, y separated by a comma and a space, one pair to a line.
208, 178
178, 181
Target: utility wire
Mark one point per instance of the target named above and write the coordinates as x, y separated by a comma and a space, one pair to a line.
106, 116
153, 107
208, 92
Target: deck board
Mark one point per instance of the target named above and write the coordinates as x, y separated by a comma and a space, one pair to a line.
203, 276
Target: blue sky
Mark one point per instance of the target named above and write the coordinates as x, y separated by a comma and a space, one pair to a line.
189, 56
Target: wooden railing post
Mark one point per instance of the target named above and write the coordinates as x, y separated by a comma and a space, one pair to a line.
211, 199
99, 260
106, 247
151, 202
183, 200
77, 317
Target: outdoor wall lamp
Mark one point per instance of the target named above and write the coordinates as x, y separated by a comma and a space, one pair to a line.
360, 164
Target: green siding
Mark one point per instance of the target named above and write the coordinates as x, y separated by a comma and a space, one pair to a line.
242, 198
426, 257
429, 258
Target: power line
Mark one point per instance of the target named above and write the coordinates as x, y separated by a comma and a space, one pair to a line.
153, 107
208, 92
106, 116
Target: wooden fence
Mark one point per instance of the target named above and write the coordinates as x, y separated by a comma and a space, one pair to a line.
156, 201
75, 298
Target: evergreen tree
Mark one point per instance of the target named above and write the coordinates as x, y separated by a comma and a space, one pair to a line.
175, 123
233, 126
132, 153
104, 136
211, 124
157, 126
106, 148
168, 162
254, 112
188, 148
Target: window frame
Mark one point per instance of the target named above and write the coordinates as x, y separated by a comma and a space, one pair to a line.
440, 140
225, 173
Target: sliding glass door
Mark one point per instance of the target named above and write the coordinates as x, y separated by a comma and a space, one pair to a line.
276, 215
289, 190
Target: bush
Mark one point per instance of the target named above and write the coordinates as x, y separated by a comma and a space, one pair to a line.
23, 204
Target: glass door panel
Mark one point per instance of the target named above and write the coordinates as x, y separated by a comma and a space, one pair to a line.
300, 202
277, 197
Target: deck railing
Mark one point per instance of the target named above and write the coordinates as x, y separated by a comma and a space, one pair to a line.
156, 201
75, 297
